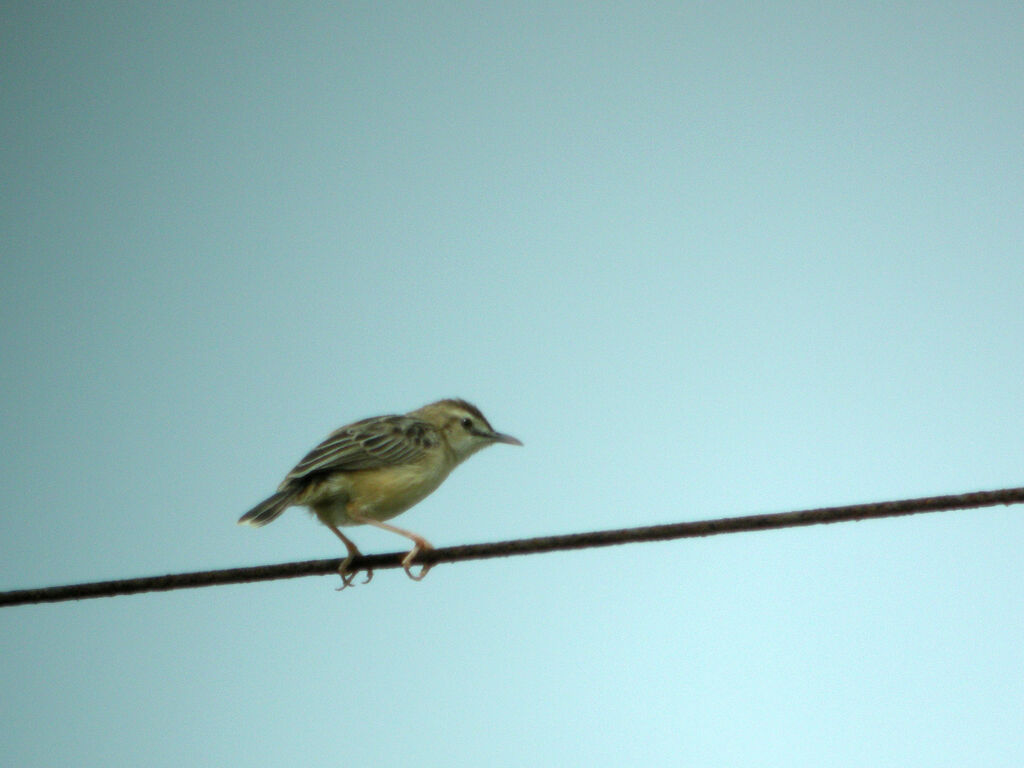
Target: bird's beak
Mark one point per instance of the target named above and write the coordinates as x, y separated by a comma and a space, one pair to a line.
498, 437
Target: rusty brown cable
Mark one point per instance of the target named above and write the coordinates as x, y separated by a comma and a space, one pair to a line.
519, 546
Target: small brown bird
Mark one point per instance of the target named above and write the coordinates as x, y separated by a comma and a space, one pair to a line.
375, 469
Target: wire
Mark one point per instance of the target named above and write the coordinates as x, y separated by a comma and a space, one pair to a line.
518, 547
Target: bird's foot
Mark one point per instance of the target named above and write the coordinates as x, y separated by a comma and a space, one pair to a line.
348, 577
422, 545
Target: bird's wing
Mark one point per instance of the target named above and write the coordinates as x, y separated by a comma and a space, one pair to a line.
377, 442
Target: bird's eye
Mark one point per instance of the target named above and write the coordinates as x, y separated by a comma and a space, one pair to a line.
467, 424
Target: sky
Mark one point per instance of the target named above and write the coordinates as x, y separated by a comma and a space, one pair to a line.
703, 259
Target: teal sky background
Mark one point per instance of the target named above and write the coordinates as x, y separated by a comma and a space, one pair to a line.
704, 259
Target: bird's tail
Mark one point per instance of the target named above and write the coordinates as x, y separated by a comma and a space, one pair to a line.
268, 510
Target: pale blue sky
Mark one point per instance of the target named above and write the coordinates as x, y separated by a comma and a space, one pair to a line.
704, 259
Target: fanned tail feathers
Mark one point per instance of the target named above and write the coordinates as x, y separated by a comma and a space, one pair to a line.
268, 509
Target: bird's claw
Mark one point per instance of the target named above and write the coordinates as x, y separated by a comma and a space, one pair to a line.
407, 561
424, 569
348, 577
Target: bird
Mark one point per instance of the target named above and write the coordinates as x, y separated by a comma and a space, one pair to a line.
372, 470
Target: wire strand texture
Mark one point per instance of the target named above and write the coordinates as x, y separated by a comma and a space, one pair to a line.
531, 546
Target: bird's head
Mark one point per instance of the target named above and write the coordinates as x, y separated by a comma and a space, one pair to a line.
463, 427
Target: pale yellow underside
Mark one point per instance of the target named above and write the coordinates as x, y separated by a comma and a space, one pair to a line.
379, 494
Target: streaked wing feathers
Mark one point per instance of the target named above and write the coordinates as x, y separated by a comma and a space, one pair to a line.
377, 442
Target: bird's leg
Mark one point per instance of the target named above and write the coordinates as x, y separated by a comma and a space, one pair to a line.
419, 543
347, 577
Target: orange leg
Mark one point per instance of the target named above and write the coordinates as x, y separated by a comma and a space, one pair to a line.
419, 543
348, 576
